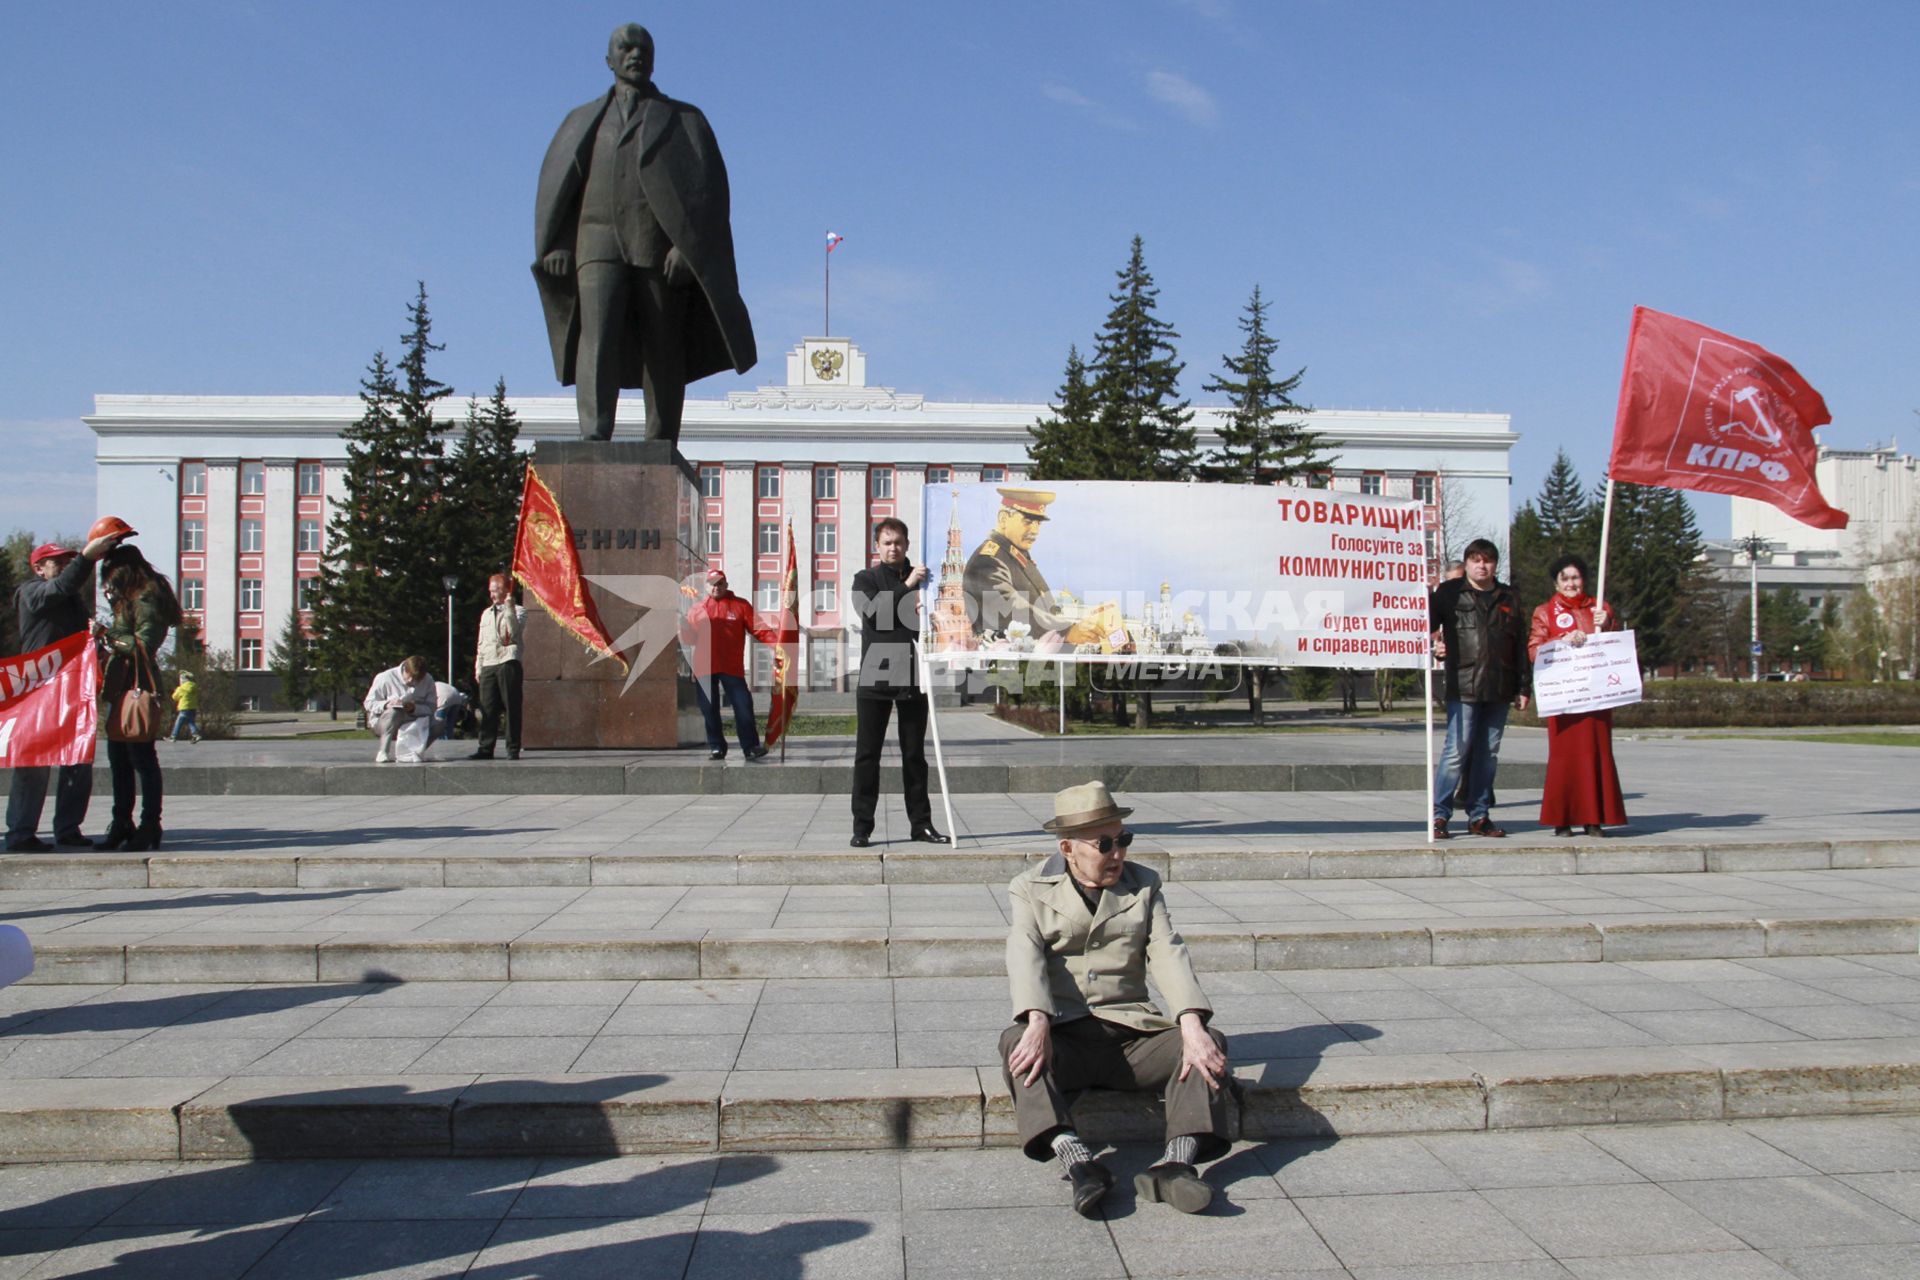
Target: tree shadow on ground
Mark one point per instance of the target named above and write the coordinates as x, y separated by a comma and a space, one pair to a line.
338, 1218
150, 1013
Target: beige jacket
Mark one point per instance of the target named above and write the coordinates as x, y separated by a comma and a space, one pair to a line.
1069, 962
501, 628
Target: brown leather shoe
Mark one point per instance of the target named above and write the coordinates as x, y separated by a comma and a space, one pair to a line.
1440, 831
1485, 827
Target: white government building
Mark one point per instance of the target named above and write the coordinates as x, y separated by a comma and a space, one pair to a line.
244, 487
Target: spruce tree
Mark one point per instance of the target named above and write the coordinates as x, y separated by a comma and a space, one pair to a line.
291, 662
9, 616
380, 580
1256, 445
1528, 555
1563, 509
1654, 578
1065, 444
1146, 432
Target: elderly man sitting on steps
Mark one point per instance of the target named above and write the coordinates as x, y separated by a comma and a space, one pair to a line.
1089, 930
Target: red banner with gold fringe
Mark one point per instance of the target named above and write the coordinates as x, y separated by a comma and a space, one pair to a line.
546, 563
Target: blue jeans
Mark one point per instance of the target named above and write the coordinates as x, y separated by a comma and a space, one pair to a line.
188, 721
1473, 729
734, 690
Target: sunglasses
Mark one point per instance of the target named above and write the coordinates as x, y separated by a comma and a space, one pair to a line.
1107, 844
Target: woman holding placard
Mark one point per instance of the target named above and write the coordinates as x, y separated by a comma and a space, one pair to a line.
1583, 787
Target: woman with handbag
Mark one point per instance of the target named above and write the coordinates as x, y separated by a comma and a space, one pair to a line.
144, 610
1583, 787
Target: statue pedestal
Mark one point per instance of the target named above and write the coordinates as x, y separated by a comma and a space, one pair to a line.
636, 515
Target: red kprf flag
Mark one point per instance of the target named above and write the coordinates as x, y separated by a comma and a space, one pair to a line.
48, 711
1701, 409
786, 652
546, 564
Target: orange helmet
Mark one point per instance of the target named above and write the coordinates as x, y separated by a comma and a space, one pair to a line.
107, 526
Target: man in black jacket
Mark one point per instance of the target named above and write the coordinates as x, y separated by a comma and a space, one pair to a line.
56, 604
1480, 633
885, 599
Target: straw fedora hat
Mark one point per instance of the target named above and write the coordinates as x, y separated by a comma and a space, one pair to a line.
1087, 805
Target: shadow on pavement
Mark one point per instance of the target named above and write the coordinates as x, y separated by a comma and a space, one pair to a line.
335, 1219
153, 1012
235, 899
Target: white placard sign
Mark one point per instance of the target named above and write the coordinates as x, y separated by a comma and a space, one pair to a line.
1604, 672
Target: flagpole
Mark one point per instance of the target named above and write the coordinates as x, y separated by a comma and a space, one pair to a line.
1606, 529
826, 319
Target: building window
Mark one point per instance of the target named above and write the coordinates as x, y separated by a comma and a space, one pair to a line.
310, 535
193, 479
252, 535
713, 537
882, 483
1423, 488
310, 479
767, 595
253, 477
1370, 485
763, 667
939, 475
826, 484
250, 595
769, 486
825, 596
193, 535
709, 482
193, 594
250, 656
769, 538
826, 539
993, 475
825, 667
307, 590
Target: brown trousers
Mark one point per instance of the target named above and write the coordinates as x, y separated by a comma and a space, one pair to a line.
1089, 1053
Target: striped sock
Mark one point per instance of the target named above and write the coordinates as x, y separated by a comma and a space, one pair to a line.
1181, 1150
1072, 1151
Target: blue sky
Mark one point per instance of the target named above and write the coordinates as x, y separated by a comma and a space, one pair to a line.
1451, 206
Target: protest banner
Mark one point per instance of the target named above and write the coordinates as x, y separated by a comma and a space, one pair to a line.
1604, 672
1106, 572
48, 712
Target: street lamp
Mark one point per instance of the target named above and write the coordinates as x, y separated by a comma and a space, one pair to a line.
1755, 546
452, 584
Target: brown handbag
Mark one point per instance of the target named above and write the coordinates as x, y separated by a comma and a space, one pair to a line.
137, 714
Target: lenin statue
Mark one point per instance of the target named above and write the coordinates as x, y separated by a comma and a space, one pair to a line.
634, 250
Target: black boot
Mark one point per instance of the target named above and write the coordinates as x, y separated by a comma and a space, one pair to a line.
117, 835
145, 836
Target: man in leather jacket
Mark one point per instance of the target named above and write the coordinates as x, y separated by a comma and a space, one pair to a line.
1480, 633
886, 600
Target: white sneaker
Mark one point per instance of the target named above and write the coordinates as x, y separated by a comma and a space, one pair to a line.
382, 758
410, 760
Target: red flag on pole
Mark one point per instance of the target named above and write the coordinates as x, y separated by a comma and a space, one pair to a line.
547, 565
48, 711
787, 651
1701, 409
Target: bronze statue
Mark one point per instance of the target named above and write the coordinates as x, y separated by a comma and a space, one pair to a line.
634, 249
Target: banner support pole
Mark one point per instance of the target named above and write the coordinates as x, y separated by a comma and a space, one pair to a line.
939, 753
1061, 680
1426, 698
1606, 529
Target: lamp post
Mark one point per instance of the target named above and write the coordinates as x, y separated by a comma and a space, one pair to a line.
452, 584
1754, 545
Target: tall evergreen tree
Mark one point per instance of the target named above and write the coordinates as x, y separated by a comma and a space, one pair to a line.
485, 474
1065, 444
1528, 555
9, 616
1146, 431
388, 540
1563, 508
1258, 445
1654, 577
292, 663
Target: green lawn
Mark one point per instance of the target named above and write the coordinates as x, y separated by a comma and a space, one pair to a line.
1861, 738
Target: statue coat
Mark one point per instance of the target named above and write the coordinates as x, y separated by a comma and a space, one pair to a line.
685, 183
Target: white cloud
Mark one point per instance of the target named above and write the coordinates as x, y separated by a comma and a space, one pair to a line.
1184, 96
1061, 93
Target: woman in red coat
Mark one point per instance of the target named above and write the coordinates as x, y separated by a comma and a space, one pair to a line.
1583, 788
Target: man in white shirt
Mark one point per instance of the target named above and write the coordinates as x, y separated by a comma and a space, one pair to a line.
496, 668
399, 708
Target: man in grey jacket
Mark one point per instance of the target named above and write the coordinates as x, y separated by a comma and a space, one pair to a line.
1089, 930
56, 604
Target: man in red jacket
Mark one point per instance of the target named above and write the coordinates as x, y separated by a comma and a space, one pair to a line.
717, 628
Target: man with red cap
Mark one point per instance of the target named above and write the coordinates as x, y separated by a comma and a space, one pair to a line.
717, 628
56, 604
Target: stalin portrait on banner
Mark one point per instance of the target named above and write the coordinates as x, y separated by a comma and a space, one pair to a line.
1007, 594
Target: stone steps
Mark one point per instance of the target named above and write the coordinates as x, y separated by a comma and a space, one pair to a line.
910, 865
241, 1117
207, 956
556, 776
